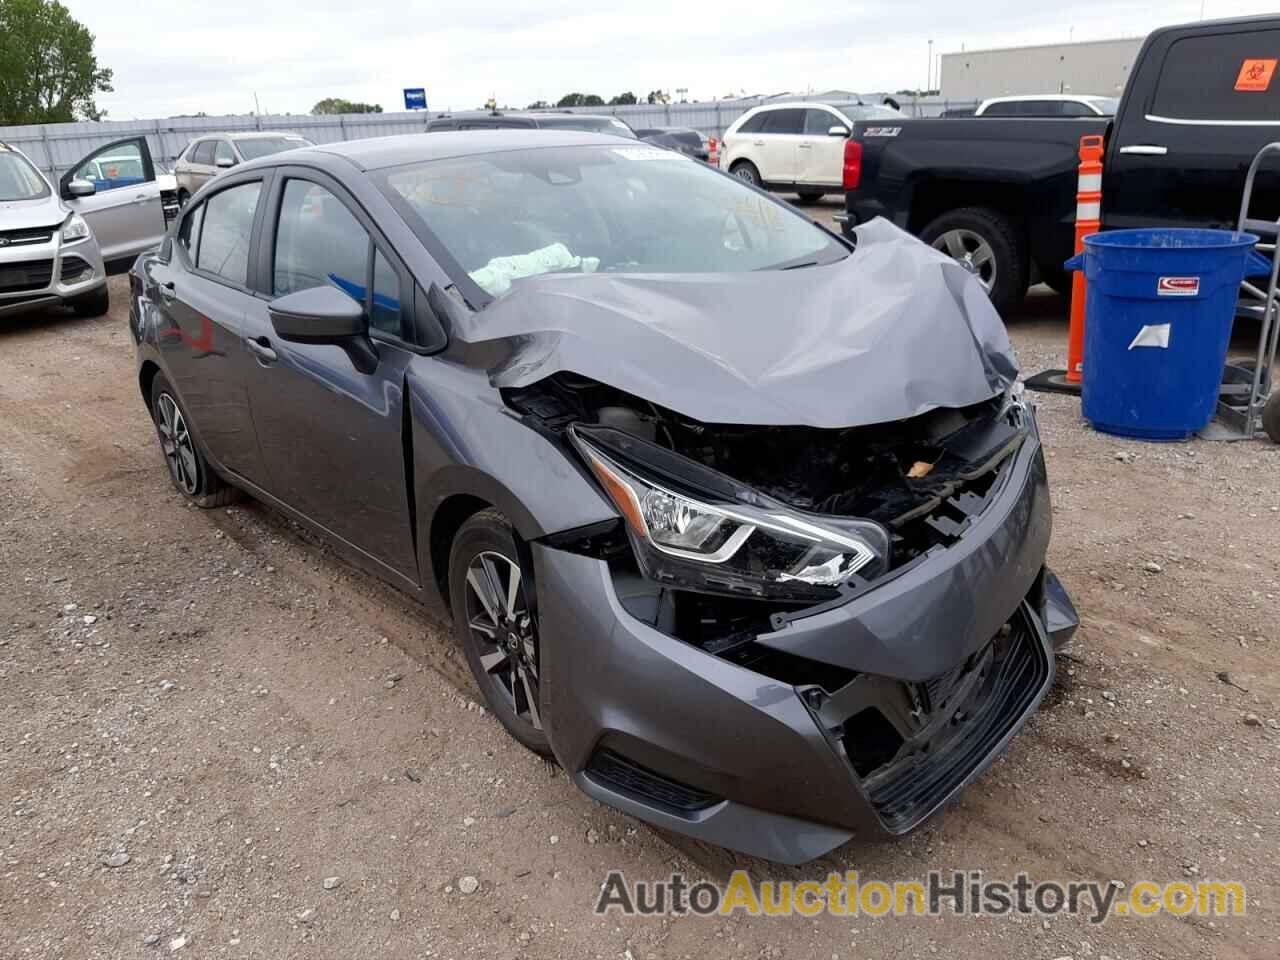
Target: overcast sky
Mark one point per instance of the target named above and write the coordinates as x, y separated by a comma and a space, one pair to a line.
184, 56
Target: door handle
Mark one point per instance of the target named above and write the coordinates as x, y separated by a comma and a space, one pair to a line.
167, 290
141, 198
757, 143
260, 347
806, 146
1145, 150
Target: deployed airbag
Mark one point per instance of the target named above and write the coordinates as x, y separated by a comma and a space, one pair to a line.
891, 331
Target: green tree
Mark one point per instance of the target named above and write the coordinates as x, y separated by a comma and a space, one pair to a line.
623, 99
657, 96
48, 73
339, 105
538, 105
580, 100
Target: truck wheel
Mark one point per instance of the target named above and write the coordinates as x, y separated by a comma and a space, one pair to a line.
746, 170
986, 242
1271, 417
1059, 281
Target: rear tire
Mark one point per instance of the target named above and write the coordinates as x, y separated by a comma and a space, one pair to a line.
1271, 417
746, 170
95, 303
188, 469
496, 627
975, 232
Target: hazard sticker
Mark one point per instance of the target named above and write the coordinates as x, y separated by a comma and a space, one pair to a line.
1255, 75
1178, 286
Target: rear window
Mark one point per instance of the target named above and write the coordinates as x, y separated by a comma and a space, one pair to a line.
753, 124
784, 121
251, 148
588, 124
1222, 78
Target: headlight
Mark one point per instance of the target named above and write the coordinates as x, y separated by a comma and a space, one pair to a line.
718, 536
75, 229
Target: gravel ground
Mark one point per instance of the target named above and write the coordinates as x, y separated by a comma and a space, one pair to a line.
220, 741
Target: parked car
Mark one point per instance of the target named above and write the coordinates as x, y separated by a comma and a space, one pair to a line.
1000, 194
530, 120
125, 207
681, 139
762, 583
1048, 105
205, 157
795, 146
48, 255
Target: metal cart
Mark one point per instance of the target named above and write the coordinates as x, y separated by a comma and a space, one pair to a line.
1245, 389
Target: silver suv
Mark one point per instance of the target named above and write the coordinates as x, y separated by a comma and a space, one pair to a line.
48, 254
204, 158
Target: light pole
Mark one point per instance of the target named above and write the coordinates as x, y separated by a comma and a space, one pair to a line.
928, 83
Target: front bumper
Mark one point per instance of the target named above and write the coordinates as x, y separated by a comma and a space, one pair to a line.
689, 741
35, 275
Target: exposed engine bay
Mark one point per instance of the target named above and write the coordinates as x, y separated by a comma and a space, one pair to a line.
902, 475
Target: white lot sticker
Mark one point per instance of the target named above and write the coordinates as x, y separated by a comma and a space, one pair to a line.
1177, 286
881, 131
647, 153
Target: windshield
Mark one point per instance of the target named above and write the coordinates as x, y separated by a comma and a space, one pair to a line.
19, 180
589, 125
613, 209
252, 148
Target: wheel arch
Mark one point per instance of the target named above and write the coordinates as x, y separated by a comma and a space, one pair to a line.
146, 377
932, 198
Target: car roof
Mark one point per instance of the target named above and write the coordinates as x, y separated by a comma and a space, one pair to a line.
262, 134
377, 152
1061, 97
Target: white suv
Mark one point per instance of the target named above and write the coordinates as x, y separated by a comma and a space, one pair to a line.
795, 146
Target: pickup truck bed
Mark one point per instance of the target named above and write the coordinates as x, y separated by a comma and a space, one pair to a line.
1000, 192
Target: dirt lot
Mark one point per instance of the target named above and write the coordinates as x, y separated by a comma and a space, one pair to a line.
204, 715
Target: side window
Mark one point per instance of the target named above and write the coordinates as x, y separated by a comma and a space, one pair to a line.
818, 122
117, 166
203, 153
228, 224
1220, 77
784, 121
1005, 109
754, 124
318, 241
1070, 108
222, 151
384, 312
189, 231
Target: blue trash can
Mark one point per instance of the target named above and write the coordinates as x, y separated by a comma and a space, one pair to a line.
1158, 319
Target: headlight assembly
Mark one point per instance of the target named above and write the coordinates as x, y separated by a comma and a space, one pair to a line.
75, 229
719, 536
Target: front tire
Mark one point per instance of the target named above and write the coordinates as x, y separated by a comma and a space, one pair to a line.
811, 196
987, 242
495, 624
188, 469
1271, 417
183, 197
746, 170
95, 303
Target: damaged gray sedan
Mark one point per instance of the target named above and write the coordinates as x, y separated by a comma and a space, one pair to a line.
743, 523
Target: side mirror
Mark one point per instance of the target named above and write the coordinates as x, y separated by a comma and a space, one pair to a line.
81, 188
224, 163
838, 130
319, 315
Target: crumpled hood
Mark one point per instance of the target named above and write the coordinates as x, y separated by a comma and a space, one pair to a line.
890, 332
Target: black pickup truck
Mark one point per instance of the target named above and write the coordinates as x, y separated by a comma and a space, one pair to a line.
1000, 194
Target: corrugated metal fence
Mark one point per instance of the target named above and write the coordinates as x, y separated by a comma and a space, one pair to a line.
55, 147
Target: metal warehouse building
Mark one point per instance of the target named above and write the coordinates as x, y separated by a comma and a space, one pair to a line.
1099, 67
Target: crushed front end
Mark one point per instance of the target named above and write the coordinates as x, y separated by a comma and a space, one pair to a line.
793, 634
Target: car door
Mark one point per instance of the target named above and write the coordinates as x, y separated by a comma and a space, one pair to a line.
202, 168
330, 420
821, 155
778, 145
202, 294
125, 211
1192, 122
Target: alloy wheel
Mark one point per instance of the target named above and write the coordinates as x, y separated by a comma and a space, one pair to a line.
503, 630
972, 251
175, 441
743, 172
